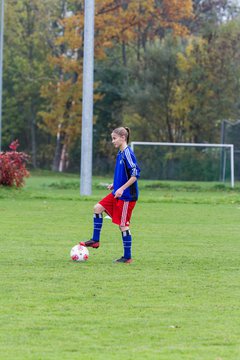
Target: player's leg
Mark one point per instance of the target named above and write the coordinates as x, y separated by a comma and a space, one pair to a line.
97, 221
127, 245
124, 213
98, 209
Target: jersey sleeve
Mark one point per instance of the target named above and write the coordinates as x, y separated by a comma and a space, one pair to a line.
131, 163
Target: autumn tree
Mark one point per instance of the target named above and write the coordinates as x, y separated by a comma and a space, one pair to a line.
127, 24
28, 40
207, 92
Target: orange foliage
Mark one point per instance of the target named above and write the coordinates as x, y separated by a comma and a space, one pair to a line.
116, 21
174, 12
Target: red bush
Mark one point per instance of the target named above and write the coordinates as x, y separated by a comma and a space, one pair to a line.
13, 166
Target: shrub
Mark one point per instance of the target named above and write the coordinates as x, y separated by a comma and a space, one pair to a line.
13, 166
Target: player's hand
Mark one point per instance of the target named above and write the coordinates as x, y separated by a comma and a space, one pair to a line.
118, 193
110, 187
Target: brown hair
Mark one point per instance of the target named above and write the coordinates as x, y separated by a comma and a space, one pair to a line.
123, 131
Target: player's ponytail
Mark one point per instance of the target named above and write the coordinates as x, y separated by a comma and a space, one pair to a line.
128, 134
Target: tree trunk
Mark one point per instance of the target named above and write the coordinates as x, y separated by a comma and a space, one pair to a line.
33, 138
58, 150
63, 165
124, 55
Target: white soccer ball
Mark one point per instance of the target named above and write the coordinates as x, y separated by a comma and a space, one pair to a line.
79, 253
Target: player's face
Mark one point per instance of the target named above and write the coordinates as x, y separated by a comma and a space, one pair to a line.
118, 141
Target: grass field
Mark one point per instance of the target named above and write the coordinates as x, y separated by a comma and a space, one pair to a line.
179, 300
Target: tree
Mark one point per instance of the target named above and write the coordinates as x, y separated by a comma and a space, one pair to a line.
209, 14
112, 76
151, 94
192, 105
127, 24
208, 90
28, 41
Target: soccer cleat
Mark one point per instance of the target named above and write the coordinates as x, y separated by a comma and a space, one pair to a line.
124, 260
90, 243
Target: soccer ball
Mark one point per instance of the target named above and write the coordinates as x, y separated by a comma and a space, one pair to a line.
79, 253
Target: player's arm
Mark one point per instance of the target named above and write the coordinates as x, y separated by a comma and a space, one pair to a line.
120, 191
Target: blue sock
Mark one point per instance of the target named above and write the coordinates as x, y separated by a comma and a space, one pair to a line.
127, 244
97, 226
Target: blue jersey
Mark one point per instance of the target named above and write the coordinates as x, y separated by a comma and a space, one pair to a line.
126, 167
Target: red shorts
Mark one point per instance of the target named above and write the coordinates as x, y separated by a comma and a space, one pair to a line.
119, 210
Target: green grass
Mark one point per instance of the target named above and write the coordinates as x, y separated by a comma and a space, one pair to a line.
179, 300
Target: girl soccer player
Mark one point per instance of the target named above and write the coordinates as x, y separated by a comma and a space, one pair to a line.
120, 203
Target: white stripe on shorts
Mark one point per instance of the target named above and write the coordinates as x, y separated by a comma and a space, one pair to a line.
124, 213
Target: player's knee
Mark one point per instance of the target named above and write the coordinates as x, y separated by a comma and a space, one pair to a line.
98, 209
123, 228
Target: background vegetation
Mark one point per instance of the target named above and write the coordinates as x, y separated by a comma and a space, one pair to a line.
168, 69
